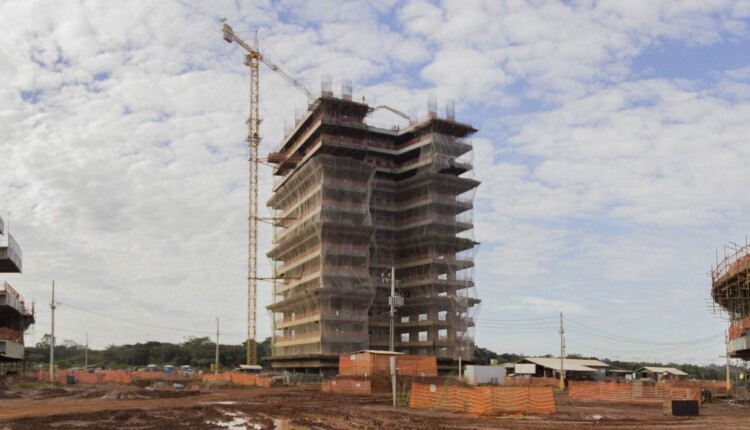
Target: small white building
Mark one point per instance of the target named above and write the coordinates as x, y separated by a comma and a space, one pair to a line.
483, 375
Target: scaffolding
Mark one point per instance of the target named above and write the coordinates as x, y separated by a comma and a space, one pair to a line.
730, 284
352, 201
730, 291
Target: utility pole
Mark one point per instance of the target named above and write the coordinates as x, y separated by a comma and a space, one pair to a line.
393, 309
729, 383
562, 353
216, 370
86, 353
460, 364
52, 338
394, 380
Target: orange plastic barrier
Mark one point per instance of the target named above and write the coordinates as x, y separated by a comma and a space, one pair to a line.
517, 381
630, 393
216, 377
117, 376
482, 400
87, 378
717, 388
251, 380
346, 386
61, 376
239, 379
379, 364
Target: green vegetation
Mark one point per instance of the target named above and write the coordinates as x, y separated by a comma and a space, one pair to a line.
198, 352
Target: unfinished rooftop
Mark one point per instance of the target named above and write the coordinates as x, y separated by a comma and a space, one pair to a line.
352, 200
10, 252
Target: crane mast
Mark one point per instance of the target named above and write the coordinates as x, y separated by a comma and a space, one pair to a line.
253, 60
253, 141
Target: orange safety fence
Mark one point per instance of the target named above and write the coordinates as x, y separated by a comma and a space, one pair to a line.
118, 376
60, 376
346, 386
482, 400
374, 364
239, 379
111, 376
515, 381
125, 377
253, 380
629, 393
216, 377
717, 388
87, 378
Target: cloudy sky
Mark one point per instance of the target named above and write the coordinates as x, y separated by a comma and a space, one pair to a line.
612, 150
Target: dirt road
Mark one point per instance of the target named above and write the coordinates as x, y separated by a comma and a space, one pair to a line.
306, 408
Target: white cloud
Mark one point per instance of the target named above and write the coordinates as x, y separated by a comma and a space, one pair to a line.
124, 166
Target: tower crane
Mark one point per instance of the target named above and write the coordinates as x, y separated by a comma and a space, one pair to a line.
253, 60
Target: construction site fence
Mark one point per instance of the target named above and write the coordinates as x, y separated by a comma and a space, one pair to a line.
717, 388
346, 386
245, 379
488, 400
127, 377
630, 393
379, 364
515, 381
115, 376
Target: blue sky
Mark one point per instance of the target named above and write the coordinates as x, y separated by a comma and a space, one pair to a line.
612, 152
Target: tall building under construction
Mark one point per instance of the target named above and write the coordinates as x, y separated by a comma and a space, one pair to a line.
351, 202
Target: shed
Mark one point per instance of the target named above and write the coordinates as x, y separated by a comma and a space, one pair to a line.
661, 373
575, 368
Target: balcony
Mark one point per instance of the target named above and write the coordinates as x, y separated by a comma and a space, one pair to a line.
10, 255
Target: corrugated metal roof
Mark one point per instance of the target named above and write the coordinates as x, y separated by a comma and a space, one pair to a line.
671, 370
571, 364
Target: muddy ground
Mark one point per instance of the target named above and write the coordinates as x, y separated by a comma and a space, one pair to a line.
34, 406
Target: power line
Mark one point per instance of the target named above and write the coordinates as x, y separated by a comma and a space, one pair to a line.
586, 330
144, 324
520, 319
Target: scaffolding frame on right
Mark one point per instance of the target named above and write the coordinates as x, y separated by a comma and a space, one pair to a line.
730, 291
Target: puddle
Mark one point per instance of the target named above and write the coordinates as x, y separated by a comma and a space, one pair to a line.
237, 423
286, 424
226, 402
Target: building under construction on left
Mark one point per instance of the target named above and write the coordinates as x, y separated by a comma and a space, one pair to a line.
15, 316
